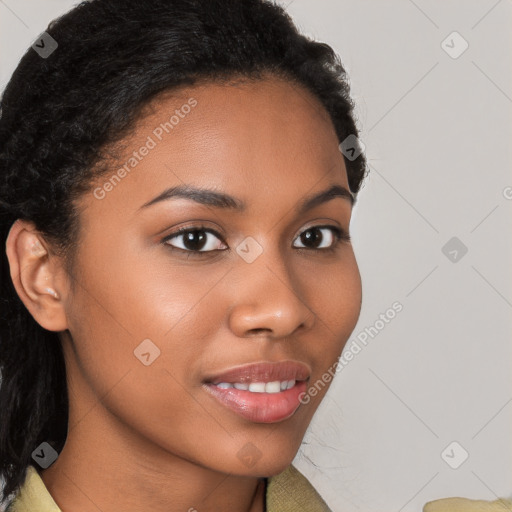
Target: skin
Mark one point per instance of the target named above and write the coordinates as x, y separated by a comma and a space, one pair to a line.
150, 437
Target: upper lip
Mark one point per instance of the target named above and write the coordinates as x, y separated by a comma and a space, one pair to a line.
263, 372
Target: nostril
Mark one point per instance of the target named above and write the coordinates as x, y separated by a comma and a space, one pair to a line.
257, 331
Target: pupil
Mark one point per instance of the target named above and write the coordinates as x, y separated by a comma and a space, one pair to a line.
316, 237
192, 244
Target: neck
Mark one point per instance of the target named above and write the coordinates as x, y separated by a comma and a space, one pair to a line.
107, 466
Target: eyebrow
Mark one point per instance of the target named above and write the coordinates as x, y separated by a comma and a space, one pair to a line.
215, 199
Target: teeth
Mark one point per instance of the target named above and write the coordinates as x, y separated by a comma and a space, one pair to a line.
273, 387
259, 387
224, 385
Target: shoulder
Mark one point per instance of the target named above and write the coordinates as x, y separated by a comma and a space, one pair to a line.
291, 491
33, 495
467, 505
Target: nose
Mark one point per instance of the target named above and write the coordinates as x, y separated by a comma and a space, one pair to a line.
267, 299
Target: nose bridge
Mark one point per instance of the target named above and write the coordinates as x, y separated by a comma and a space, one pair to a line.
266, 297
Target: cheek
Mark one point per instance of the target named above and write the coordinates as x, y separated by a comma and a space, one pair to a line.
347, 292
338, 301
117, 316
140, 299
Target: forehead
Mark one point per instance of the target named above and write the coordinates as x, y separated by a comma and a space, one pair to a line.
267, 137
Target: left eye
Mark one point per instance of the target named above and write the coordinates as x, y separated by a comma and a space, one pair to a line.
311, 235
197, 240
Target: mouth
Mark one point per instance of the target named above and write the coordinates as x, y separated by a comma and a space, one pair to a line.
259, 387
263, 392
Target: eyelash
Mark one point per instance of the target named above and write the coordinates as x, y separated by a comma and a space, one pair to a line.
340, 236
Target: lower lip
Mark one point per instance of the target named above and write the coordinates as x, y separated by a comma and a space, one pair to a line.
260, 407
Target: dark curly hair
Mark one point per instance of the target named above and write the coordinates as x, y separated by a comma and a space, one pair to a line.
60, 114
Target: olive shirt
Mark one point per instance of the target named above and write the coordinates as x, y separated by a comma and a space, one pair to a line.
289, 491
467, 505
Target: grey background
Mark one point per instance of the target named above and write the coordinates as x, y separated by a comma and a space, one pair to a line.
438, 133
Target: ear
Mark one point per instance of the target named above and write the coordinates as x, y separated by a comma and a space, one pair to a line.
37, 275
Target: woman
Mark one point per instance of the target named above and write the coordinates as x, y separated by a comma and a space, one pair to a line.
177, 180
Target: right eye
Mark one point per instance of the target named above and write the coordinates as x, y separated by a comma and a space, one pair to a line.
194, 240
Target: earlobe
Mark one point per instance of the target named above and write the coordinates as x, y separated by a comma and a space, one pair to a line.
32, 269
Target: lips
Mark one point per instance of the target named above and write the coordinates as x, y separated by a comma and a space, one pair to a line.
262, 372
260, 407
240, 389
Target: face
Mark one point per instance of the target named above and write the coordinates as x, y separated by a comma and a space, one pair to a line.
153, 313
